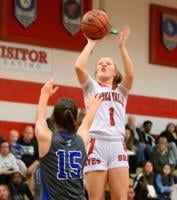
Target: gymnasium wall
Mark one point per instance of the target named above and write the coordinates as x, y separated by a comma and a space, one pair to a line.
154, 93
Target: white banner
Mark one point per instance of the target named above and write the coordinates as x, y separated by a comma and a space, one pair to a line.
25, 57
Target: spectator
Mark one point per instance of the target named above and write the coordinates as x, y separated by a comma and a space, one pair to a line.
143, 180
165, 183
19, 188
17, 150
147, 141
131, 194
30, 147
131, 124
131, 150
160, 155
8, 164
170, 133
4, 192
171, 136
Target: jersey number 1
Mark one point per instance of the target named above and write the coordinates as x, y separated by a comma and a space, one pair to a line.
111, 114
73, 170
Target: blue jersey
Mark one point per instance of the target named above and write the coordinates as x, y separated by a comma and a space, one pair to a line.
17, 150
62, 168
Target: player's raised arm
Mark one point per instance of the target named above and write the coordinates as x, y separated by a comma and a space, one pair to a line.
93, 105
127, 62
80, 64
42, 131
95, 24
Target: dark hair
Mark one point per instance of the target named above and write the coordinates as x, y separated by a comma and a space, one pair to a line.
50, 124
65, 114
170, 176
16, 173
145, 162
147, 122
169, 124
4, 141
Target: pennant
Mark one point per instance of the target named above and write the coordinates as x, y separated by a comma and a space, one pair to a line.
169, 31
71, 15
25, 11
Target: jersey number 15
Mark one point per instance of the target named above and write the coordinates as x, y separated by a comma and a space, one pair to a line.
73, 170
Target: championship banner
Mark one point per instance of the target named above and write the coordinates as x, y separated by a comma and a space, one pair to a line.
71, 15
25, 11
169, 31
25, 57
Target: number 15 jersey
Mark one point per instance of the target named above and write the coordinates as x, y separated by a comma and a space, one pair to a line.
62, 168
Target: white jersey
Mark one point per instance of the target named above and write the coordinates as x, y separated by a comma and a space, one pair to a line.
109, 122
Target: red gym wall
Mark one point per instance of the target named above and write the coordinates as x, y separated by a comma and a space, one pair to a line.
47, 30
28, 92
49, 21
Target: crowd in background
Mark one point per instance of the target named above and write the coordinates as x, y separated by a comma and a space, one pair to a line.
156, 155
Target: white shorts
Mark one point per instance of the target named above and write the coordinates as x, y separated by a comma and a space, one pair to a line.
105, 155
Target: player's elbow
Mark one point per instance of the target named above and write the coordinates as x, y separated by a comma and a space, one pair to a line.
130, 77
78, 67
38, 127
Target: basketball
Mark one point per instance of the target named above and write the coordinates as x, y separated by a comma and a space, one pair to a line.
95, 24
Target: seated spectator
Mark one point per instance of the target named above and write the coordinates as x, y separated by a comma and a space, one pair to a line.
160, 155
8, 164
171, 136
148, 139
4, 192
17, 150
143, 180
131, 150
170, 133
165, 183
30, 148
138, 139
131, 124
131, 193
19, 188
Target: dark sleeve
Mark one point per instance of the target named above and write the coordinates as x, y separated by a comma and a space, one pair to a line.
36, 150
1, 138
141, 136
28, 192
175, 179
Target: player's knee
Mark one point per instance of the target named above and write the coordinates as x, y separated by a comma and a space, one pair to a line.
121, 195
96, 196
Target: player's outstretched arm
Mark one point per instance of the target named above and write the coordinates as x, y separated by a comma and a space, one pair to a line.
80, 64
92, 107
127, 62
42, 131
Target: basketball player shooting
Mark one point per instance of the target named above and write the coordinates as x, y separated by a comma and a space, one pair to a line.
107, 156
